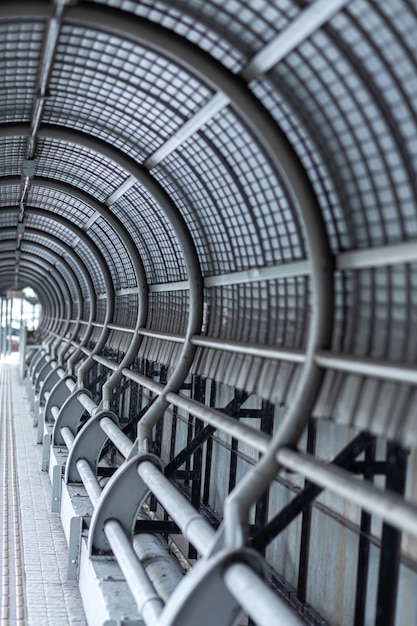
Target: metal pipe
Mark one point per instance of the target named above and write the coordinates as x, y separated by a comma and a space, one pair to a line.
389, 506
305, 24
120, 440
219, 420
89, 404
54, 412
111, 365
257, 599
71, 384
163, 571
89, 480
148, 602
290, 355
367, 367
67, 436
222, 422
194, 527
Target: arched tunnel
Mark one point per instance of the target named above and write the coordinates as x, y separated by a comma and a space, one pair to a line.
215, 205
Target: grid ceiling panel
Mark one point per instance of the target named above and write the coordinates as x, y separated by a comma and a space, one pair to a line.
48, 256
272, 215
194, 21
84, 253
143, 237
266, 312
7, 219
154, 235
352, 122
12, 153
118, 91
21, 44
238, 206
26, 247
9, 195
114, 252
313, 154
126, 310
79, 167
60, 203
168, 311
48, 225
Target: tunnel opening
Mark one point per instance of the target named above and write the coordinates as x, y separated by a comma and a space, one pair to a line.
20, 317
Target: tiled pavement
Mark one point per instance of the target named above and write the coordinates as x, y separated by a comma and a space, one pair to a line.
49, 599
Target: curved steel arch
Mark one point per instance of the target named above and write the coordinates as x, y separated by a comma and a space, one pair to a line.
132, 251
284, 159
43, 263
4, 282
286, 162
74, 280
182, 232
52, 297
105, 273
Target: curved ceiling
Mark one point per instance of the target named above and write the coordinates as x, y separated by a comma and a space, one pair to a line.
242, 171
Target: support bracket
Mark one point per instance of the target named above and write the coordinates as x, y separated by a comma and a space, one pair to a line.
58, 395
87, 445
121, 499
69, 415
192, 603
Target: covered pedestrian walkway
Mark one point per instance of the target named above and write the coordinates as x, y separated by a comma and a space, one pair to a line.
211, 207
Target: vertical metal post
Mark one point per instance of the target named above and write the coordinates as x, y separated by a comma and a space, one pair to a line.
267, 424
209, 450
261, 509
9, 325
199, 393
1, 327
22, 348
306, 523
363, 550
389, 561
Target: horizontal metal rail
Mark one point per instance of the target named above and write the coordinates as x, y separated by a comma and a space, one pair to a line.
149, 603
89, 404
389, 506
89, 480
116, 436
68, 437
256, 598
192, 525
360, 366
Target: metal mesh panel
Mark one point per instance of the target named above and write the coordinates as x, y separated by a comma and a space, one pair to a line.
49, 226
9, 195
114, 252
188, 20
7, 219
21, 46
130, 96
154, 235
168, 311
270, 313
59, 203
353, 123
79, 167
126, 310
12, 153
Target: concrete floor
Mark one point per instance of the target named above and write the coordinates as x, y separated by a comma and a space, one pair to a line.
35, 591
